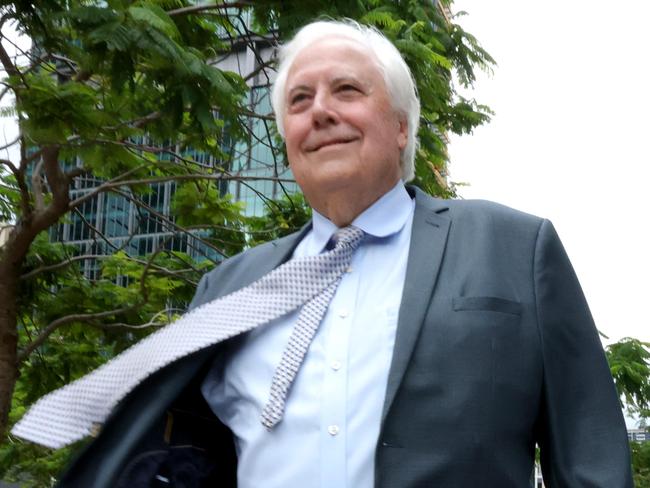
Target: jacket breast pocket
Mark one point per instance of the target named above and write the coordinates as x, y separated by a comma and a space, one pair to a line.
487, 304
460, 333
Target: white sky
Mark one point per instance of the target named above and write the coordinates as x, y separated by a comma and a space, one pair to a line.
569, 139
9, 125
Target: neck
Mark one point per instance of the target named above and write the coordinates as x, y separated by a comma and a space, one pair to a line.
342, 207
342, 215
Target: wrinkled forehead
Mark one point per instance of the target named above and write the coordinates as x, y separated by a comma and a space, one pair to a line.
347, 50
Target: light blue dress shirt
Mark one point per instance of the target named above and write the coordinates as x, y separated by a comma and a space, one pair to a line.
328, 435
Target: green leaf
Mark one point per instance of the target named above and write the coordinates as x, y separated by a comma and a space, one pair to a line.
115, 35
420, 52
154, 16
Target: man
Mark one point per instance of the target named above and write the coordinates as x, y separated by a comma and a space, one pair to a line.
457, 340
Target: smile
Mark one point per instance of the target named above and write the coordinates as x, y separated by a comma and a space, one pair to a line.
333, 143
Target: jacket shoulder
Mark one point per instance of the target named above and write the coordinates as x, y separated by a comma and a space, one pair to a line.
474, 210
491, 212
244, 268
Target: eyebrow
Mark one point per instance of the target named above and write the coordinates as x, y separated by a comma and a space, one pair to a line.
297, 88
333, 81
340, 79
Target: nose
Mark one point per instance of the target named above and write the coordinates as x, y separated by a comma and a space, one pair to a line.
323, 112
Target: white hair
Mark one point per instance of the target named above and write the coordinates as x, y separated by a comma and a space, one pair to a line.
397, 76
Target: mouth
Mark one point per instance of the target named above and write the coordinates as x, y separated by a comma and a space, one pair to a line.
331, 143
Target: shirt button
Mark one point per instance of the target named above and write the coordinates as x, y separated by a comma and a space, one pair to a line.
343, 313
335, 365
333, 429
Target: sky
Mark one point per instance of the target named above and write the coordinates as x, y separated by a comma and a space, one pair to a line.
8, 125
569, 141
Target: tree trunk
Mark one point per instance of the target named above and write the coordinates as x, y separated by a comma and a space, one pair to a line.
12, 257
9, 276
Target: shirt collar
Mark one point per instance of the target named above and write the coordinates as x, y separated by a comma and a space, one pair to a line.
383, 218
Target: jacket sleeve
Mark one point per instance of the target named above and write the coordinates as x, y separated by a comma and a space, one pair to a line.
580, 430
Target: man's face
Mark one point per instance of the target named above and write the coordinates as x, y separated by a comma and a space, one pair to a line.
341, 131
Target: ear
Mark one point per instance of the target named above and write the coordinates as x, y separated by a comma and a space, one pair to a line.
403, 134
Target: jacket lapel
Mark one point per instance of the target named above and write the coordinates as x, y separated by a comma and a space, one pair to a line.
428, 239
282, 249
277, 253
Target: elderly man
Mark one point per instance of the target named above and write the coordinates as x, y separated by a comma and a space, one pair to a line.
455, 341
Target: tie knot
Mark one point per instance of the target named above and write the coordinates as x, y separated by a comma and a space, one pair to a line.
347, 236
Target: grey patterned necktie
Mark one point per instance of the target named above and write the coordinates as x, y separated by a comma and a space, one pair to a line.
303, 332
71, 412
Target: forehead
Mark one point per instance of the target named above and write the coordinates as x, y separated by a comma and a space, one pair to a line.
336, 56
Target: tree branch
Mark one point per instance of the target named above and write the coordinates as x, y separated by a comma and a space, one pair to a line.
150, 323
145, 181
25, 204
87, 317
8, 65
195, 9
92, 227
254, 115
62, 264
31, 223
167, 221
84, 257
139, 122
37, 187
9, 144
80, 317
71, 64
9, 164
95, 191
260, 67
25, 160
56, 179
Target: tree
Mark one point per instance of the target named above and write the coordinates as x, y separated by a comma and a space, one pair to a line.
121, 95
641, 463
629, 362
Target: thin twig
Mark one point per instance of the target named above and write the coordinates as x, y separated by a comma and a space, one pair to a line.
255, 115
109, 186
93, 229
150, 323
62, 264
260, 67
88, 317
84, 257
137, 123
9, 144
79, 317
195, 9
71, 64
90, 194
167, 221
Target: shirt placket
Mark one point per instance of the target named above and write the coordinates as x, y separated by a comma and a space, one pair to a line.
333, 428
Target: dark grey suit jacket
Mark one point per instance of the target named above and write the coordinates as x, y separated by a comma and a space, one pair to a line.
495, 351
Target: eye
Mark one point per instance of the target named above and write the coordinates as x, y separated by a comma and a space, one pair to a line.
347, 87
297, 98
